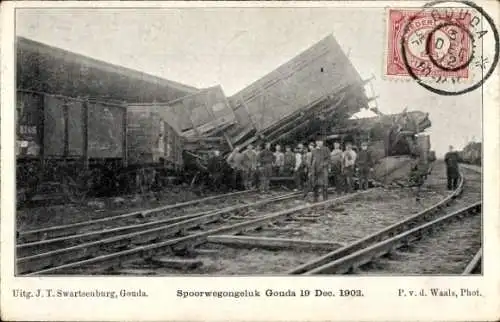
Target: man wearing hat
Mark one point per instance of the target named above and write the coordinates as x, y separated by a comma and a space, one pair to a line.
336, 166
250, 162
265, 160
320, 164
452, 169
364, 161
348, 162
307, 169
298, 168
236, 161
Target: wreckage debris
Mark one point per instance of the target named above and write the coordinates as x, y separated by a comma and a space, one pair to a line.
130, 142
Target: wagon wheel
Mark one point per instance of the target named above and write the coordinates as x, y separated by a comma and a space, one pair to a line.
78, 188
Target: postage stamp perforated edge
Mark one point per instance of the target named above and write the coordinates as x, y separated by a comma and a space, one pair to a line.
407, 78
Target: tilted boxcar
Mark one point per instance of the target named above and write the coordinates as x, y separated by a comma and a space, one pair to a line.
319, 83
202, 120
203, 113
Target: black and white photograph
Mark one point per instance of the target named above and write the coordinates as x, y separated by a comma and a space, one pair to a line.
227, 150
246, 141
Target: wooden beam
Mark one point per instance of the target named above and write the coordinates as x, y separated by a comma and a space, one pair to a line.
281, 178
272, 243
178, 263
203, 251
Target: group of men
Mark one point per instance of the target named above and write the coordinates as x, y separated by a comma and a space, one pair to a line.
313, 168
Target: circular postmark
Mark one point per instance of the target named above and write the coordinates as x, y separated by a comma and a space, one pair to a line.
454, 57
444, 50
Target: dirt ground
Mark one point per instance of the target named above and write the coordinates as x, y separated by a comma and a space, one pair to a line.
446, 251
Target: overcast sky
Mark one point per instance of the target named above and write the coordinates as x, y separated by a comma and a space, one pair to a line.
236, 46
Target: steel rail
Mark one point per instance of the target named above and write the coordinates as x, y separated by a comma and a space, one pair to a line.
471, 167
474, 264
138, 236
387, 232
352, 261
25, 249
57, 231
142, 252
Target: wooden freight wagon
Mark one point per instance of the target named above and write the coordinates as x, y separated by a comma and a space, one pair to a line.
318, 84
77, 143
45, 68
201, 119
151, 140
206, 113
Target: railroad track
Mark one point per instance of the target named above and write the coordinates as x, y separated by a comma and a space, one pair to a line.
474, 266
153, 220
182, 236
120, 219
54, 252
351, 257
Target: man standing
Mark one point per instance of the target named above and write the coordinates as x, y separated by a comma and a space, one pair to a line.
348, 161
215, 168
236, 162
250, 161
309, 174
320, 165
297, 171
279, 160
289, 161
266, 159
336, 166
452, 171
364, 161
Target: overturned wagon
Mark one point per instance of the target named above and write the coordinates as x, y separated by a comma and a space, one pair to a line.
203, 120
299, 99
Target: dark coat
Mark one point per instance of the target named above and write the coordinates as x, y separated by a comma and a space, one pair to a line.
451, 160
215, 165
266, 157
364, 159
320, 164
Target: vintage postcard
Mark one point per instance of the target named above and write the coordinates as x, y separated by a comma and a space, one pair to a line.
250, 161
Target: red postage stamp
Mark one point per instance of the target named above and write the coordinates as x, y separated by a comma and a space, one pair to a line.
428, 43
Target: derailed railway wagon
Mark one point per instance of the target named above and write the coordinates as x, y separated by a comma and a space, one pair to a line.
203, 120
301, 98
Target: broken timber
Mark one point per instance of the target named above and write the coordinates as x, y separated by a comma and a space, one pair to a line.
272, 243
177, 263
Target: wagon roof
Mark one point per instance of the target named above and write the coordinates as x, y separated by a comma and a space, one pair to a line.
72, 74
327, 45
